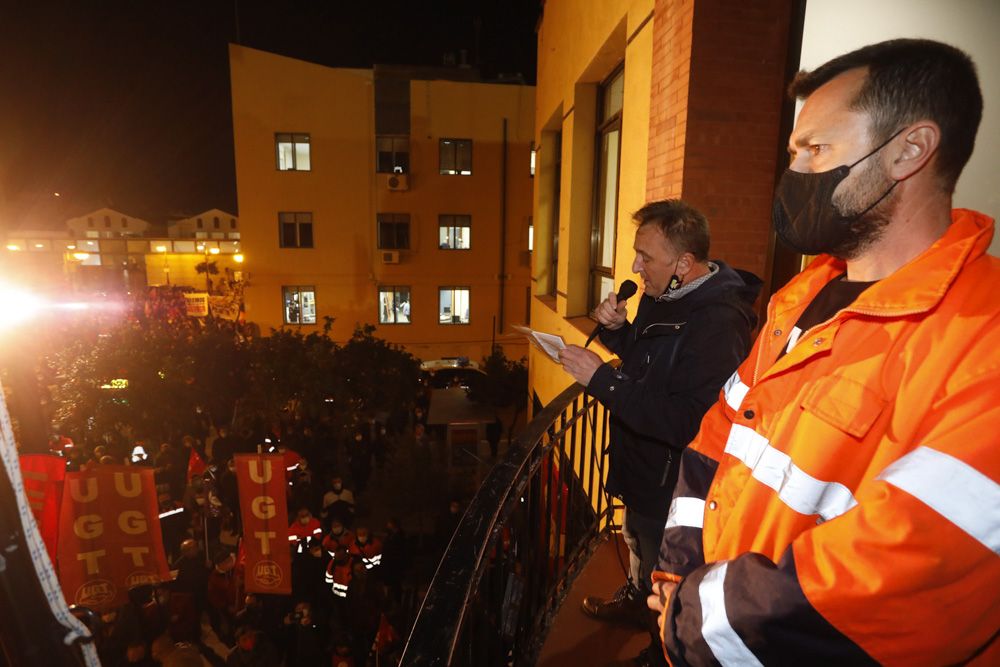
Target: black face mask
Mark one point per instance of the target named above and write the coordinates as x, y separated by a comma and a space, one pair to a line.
803, 213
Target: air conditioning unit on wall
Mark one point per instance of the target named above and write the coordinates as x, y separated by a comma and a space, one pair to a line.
390, 257
398, 182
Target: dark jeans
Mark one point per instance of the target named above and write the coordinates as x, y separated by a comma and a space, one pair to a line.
642, 536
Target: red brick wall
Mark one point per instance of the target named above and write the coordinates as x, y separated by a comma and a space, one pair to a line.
718, 83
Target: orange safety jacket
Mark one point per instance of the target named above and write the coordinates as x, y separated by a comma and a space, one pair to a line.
841, 503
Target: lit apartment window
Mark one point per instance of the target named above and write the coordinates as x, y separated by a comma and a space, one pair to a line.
394, 305
292, 152
533, 160
609, 134
392, 154
295, 229
531, 233
394, 231
456, 157
454, 308
299, 304
454, 232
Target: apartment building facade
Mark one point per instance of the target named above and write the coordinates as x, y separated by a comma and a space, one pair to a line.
394, 197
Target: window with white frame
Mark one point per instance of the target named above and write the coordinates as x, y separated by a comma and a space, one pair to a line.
609, 132
456, 157
292, 151
394, 304
295, 229
454, 305
454, 232
299, 304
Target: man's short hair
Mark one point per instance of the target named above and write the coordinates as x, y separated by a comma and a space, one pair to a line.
681, 223
910, 80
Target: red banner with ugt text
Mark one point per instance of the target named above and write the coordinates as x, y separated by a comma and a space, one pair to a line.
43, 483
261, 479
109, 535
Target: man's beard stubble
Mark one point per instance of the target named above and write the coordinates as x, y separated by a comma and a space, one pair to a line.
869, 185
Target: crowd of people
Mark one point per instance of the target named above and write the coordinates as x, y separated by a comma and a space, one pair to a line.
355, 586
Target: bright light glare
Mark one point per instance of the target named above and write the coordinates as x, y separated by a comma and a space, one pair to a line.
17, 306
161, 248
13, 247
238, 258
81, 255
213, 251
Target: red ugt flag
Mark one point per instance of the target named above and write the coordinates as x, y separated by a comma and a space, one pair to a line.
261, 482
109, 535
43, 483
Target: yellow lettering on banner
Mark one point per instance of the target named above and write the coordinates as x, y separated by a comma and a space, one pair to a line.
91, 558
132, 522
135, 488
88, 526
136, 553
263, 507
255, 471
89, 495
265, 537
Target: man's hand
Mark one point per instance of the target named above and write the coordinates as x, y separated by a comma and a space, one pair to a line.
580, 363
662, 590
611, 312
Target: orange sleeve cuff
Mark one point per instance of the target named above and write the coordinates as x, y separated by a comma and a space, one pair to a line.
665, 576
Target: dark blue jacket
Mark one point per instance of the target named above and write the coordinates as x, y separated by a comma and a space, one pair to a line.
676, 355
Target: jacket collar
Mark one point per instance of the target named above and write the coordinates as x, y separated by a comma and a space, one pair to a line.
915, 287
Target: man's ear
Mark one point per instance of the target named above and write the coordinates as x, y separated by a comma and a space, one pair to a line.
919, 144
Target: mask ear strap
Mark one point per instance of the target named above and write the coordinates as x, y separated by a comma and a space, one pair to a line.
675, 280
878, 148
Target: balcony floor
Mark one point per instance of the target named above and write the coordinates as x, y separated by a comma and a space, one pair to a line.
575, 638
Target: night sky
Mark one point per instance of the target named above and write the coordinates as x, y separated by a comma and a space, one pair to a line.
127, 103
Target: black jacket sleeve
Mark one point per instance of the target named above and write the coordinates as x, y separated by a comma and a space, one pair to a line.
670, 408
616, 340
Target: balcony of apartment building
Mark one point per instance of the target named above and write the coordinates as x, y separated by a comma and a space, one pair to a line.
540, 534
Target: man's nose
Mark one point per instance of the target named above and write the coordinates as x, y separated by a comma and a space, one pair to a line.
636, 264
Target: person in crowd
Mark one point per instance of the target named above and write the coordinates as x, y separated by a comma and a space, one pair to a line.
302, 529
364, 604
137, 655
305, 638
396, 559
691, 330
338, 502
221, 596
192, 574
840, 499
253, 649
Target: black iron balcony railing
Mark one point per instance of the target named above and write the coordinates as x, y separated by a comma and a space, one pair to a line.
531, 527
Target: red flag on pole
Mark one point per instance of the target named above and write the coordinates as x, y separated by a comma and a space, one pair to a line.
43, 483
261, 483
196, 465
109, 535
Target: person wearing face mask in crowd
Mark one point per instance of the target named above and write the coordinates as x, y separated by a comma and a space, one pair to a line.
841, 499
338, 502
305, 527
691, 330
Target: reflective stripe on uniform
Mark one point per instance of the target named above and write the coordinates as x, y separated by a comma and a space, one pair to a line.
688, 512
735, 391
796, 488
952, 488
726, 645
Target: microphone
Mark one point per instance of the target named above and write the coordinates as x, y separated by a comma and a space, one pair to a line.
626, 291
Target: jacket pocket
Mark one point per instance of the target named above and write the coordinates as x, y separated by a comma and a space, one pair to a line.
845, 404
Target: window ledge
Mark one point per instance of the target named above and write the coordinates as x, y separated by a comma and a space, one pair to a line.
547, 300
582, 323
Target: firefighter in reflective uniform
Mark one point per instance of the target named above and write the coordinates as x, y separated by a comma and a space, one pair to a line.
338, 571
366, 549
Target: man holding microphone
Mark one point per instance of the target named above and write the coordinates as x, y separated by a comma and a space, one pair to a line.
692, 328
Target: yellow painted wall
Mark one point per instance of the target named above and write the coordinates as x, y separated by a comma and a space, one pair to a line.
576, 51
336, 107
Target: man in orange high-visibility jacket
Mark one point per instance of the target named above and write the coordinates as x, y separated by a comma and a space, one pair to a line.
840, 503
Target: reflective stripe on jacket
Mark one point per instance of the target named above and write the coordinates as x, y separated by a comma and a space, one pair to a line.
842, 502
